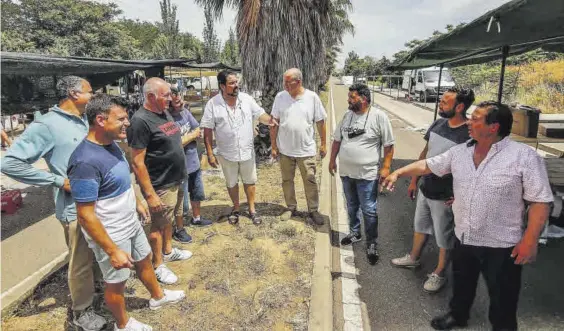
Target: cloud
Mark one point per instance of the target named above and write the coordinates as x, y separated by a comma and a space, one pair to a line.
382, 26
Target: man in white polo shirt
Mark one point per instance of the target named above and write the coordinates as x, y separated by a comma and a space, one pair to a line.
230, 115
298, 109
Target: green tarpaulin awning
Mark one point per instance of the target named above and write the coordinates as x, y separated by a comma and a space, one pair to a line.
523, 25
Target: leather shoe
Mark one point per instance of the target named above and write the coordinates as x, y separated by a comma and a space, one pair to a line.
447, 322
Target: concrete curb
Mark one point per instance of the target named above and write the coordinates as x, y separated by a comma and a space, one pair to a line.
18, 293
321, 302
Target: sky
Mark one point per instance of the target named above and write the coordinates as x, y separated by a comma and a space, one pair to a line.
382, 26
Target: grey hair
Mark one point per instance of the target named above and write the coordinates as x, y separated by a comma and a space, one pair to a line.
152, 85
102, 104
295, 73
68, 84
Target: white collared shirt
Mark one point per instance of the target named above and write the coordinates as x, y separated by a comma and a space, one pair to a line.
489, 201
233, 127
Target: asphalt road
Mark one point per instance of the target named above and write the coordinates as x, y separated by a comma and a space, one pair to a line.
394, 297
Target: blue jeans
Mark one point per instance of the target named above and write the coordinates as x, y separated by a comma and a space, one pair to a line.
362, 194
193, 189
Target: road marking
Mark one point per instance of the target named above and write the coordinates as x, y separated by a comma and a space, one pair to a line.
352, 312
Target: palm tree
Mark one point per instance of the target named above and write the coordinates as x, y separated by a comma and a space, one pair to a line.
275, 35
339, 25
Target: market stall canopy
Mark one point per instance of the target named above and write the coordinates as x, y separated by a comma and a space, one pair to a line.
212, 65
523, 25
30, 64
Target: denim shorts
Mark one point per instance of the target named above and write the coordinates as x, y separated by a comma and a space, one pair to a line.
137, 245
194, 186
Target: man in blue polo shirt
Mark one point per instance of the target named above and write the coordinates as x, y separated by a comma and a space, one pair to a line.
107, 209
53, 137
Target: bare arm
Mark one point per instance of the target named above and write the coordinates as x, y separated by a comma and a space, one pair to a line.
418, 168
6, 139
265, 119
526, 250
273, 136
189, 137
208, 141
91, 224
143, 179
422, 156
333, 160
387, 162
322, 129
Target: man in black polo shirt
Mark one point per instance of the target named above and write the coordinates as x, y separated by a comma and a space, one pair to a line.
158, 163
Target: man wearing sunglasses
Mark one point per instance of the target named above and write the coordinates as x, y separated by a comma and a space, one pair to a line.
358, 140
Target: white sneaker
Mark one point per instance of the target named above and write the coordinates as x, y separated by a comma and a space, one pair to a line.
434, 283
88, 320
405, 261
169, 297
165, 275
134, 325
177, 255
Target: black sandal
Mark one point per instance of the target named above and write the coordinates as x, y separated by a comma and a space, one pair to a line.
255, 218
233, 218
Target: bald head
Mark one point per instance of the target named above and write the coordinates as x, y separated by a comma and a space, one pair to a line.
294, 73
157, 94
154, 85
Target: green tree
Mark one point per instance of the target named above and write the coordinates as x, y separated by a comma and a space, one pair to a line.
275, 35
338, 26
230, 53
211, 46
66, 27
145, 33
167, 44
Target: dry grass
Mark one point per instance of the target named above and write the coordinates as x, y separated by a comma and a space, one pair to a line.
241, 277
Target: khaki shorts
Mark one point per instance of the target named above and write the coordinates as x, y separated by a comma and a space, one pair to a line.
171, 198
247, 170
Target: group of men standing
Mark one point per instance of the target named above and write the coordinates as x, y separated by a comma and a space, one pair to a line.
474, 182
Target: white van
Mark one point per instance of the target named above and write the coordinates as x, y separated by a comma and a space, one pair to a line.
347, 80
423, 82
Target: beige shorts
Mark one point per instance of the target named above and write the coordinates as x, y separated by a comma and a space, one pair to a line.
172, 198
247, 170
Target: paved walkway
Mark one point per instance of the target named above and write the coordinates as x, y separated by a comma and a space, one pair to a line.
33, 243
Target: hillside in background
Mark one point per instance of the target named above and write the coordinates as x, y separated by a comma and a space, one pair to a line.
538, 84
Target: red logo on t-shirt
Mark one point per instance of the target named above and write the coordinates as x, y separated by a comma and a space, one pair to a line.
169, 128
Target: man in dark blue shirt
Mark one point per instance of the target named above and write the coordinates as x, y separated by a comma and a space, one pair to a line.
193, 184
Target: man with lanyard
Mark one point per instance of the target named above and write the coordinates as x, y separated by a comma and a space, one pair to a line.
358, 139
159, 165
54, 137
230, 115
107, 208
297, 109
433, 213
496, 181
193, 185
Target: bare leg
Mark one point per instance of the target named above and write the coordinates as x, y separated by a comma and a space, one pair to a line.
195, 208
179, 222
146, 274
167, 237
250, 192
234, 195
113, 294
443, 262
419, 240
156, 242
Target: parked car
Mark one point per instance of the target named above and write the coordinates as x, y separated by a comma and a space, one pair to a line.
424, 82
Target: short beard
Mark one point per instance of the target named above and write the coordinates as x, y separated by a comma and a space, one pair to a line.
447, 114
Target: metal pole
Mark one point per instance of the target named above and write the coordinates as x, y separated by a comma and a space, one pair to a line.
201, 88
438, 92
505, 52
397, 87
373, 82
390, 85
